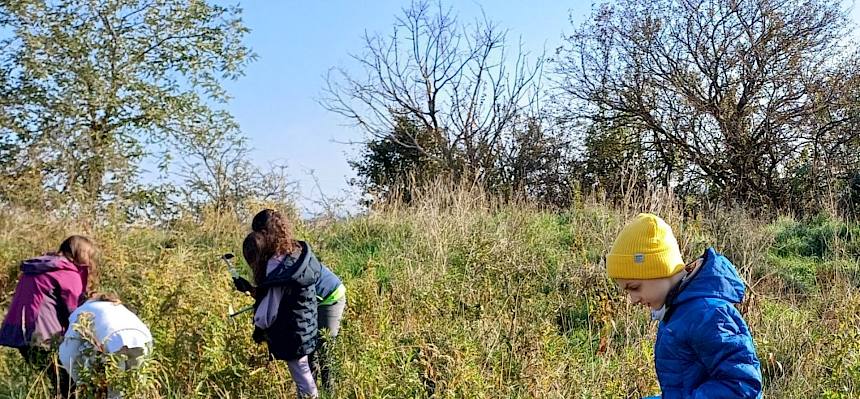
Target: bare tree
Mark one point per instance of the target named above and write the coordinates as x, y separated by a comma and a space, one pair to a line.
455, 80
732, 90
217, 172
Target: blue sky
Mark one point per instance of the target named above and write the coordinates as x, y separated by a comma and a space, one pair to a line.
276, 103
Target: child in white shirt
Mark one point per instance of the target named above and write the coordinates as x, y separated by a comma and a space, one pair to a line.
117, 331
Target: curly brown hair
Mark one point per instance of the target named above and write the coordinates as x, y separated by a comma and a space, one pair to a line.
277, 232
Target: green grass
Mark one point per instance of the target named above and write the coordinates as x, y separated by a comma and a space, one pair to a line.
456, 297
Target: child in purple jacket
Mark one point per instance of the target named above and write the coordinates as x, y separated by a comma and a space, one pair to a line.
49, 289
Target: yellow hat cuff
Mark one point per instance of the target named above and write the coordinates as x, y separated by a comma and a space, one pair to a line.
644, 266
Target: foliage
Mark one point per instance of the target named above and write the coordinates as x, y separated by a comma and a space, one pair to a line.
90, 89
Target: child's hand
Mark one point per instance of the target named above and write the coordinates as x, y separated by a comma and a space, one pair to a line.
242, 285
259, 335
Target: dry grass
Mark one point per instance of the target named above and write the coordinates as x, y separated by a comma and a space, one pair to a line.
458, 295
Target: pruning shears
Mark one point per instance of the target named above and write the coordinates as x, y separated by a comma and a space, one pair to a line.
231, 267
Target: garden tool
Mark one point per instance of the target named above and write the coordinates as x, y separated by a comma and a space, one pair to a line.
231, 267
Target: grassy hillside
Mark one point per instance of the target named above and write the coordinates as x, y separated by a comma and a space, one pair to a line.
459, 297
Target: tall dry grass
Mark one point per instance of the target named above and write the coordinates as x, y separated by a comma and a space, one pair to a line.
460, 295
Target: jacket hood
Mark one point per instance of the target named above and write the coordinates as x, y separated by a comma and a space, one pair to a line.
303, 271
715, 278
47, 263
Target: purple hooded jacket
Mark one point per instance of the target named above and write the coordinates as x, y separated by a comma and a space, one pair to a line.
50, 288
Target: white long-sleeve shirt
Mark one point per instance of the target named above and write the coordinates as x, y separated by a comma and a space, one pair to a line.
114, 326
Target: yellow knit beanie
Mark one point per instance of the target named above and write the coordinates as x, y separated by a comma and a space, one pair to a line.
645, 249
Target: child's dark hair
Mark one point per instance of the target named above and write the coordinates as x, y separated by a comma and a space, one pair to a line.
277, 231
105, 297
256, 255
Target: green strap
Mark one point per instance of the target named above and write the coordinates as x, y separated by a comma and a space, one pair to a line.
335, 296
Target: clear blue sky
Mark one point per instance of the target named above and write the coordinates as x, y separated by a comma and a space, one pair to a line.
298, 41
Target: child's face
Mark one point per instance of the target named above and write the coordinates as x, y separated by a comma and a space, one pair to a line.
650, 293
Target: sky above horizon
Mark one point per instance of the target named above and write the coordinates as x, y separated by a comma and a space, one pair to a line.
277, 101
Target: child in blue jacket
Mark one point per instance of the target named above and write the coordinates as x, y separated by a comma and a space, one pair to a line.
704, 348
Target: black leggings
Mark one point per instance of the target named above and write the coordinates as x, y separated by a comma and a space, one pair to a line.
44, 360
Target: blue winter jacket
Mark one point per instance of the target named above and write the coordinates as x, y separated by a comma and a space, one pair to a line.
704, 348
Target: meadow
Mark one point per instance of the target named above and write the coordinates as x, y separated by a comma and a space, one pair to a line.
460, 296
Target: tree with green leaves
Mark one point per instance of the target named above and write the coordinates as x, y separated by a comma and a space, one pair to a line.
536, 163
90, 88
734, 91
388, 169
